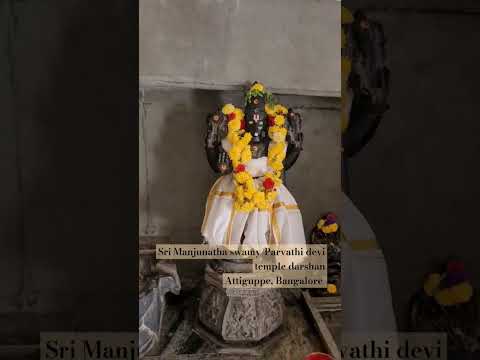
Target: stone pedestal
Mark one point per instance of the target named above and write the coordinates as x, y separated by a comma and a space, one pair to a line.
238, 318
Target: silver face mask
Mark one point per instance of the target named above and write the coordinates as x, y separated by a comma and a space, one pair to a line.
256, 120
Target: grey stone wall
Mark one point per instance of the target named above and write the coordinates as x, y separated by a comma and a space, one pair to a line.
291, 46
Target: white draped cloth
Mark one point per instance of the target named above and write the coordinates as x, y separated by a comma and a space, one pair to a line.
223, 225
366, 296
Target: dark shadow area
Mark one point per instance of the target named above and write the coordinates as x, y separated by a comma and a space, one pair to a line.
10, 211
76, 118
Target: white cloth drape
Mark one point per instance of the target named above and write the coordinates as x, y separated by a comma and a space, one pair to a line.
366, 295
223, 225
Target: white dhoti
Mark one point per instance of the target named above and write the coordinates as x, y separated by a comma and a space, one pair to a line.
223, 225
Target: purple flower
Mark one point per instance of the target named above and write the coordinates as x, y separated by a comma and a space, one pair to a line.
454, 278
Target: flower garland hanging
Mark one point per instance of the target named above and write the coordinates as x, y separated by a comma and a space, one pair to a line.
250, 194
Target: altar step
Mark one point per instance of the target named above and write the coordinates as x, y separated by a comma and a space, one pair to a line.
326, 312
325, 303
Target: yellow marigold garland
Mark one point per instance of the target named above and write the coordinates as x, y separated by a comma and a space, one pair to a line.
247, 195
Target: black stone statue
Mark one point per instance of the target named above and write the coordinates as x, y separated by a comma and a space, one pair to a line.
257, 123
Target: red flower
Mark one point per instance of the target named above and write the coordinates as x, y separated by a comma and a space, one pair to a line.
268, 184
271, 120
455, 266
231, 116
318, 356
240, 168
242, 124
331, 217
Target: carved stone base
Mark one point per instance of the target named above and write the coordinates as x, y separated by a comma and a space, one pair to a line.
253, 349
239, 320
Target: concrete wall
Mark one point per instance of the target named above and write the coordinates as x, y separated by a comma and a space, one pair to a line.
179, 174
415, 182
291, 46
